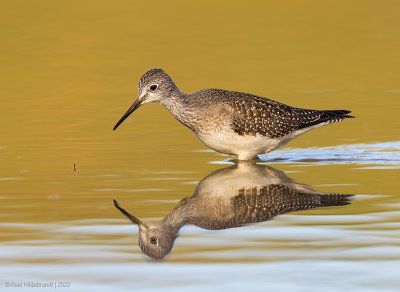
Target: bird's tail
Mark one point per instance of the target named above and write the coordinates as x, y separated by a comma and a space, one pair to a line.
333, 114
334, 199
329, 116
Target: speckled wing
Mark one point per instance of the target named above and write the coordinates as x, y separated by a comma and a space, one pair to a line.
254, 115
257, 205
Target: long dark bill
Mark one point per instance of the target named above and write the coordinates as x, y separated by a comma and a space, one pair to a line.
132, 218
134, 107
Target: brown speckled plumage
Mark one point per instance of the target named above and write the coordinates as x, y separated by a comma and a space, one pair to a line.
252, 115
261, 204
242, 194
232, 122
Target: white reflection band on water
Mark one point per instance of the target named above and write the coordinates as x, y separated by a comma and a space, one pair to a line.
386, 153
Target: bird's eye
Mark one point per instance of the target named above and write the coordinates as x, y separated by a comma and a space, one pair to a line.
153, 240
153, 87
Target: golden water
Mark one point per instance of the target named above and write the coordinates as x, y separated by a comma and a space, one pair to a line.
69, 70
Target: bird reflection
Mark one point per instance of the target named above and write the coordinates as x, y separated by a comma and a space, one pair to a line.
231, 197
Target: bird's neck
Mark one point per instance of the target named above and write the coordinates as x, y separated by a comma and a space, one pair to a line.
172, 223
178, 105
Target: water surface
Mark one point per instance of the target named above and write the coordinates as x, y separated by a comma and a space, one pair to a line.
69, 71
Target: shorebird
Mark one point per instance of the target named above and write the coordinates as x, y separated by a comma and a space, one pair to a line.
231, 197
231, 122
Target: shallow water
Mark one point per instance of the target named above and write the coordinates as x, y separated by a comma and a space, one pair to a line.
70, 70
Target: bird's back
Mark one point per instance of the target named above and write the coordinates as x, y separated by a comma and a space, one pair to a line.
251, 114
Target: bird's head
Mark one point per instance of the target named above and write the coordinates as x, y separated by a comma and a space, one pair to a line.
154, 86
155, 241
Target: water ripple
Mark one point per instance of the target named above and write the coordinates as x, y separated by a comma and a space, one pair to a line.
386, 154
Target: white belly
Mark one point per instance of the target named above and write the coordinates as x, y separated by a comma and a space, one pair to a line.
245, 147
